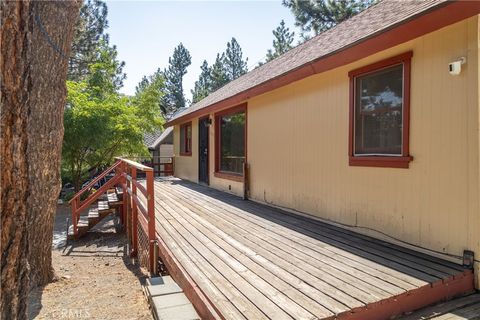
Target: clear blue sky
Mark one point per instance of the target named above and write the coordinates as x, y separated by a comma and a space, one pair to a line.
146, 32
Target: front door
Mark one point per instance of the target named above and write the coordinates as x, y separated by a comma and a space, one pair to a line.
203, 125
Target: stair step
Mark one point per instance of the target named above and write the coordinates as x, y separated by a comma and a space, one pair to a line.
103, 206
161, 286
168, 300
112, 197
83, 221
119, 191
174, 306
93, 213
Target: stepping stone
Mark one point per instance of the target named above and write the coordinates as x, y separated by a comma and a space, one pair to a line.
165, 285
174, 306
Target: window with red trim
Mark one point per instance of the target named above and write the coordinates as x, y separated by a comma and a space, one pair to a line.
230, 141
186, 139
379, 113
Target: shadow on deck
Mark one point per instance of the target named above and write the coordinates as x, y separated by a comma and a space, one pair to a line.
238, 259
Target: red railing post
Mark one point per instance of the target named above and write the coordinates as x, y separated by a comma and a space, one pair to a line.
74, 218
134, 214
151, 221
123, 184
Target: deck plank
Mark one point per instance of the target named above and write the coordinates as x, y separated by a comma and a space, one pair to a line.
230, 271
277, 225
297, 249
270, 271
257, 262
364, 292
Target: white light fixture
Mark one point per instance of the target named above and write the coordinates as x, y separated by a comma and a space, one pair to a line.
455, 67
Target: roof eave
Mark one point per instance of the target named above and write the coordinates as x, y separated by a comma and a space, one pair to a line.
425, 22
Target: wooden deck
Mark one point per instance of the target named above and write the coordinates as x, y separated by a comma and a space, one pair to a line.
237, 259
463, 308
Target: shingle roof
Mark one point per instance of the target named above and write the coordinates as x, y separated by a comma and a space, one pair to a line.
152, 140
376, 19
149, 138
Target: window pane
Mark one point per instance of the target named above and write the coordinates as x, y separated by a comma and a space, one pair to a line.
182, 139
378, 112
232, 143
188, 143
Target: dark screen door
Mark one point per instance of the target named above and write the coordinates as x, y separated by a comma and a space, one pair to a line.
203, 125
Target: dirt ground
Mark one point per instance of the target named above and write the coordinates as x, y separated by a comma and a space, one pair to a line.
96, 278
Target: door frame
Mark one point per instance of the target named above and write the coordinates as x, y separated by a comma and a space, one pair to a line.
208, 149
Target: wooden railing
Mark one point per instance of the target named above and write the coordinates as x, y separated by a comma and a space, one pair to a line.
126, 172
133, 205
78, 205
162, 166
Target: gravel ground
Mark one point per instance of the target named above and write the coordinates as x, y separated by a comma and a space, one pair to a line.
96, 279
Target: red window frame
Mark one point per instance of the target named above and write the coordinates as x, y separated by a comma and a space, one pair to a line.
392, 161
187, 141
218, 173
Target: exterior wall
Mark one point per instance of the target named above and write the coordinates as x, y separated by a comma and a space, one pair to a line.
166, 150
298, 149
186, 167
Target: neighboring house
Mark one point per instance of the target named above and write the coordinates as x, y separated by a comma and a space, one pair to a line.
368, 124
160, 145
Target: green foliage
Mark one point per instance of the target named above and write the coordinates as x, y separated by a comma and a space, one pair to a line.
106, 72
174, 98
203, 86
88, 33
234, 64
218, 72
228, 66
282, 42
320, 15
101, 124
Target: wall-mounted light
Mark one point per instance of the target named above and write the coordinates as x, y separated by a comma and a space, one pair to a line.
455, 67
208, 122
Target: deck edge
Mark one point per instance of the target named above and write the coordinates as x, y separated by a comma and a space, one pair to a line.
205, 308
442, 290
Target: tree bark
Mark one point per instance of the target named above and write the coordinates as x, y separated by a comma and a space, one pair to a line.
35, 46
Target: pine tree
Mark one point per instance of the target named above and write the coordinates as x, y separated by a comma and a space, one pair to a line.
282, 42
218, 73
142, 85
174, 99
106, 71
203, 86
89, 32
320, 15
234, 64
33, 77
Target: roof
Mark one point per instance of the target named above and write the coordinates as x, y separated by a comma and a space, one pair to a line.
304, 60
152, 140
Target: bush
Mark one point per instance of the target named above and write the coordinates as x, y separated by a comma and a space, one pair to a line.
69, 196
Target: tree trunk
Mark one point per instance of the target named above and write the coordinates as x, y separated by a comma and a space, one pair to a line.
35, 46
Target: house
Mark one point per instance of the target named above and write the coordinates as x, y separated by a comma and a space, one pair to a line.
373, 124
160, 145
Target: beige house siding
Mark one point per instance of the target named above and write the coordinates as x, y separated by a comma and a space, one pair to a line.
186, 167
298, 149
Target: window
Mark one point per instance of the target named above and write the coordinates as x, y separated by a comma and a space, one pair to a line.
230, 137
379, 113
186, 139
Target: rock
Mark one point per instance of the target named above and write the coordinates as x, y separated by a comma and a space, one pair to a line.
66, 276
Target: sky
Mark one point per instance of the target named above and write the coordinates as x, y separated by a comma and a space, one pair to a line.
146, 32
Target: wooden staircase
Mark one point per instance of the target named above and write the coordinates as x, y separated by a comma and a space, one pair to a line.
108, 203
120, 194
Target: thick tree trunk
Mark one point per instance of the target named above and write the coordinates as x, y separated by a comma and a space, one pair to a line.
35, 46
